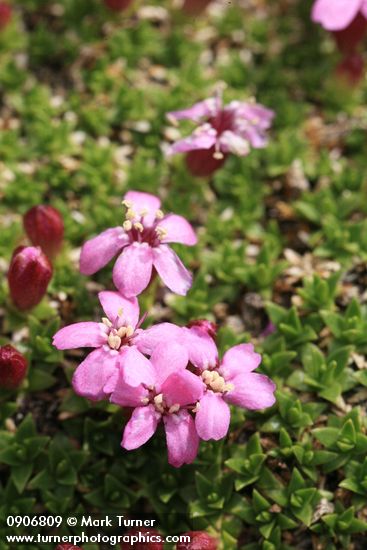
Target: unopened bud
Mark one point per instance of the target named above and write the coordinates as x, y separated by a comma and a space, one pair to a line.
199, 540
29, 275
45, 228
13, 367
5, 14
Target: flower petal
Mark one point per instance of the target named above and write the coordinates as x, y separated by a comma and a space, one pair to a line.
201, 347
335, 15
168, 358
178, 230
252, 391
239, 360
182, 438
147, 340
94, 373
125, 395
136, 368
97, 252
206, 108
143, 201
81, 335
182, 388
133, 269
171, 270
141, 426
117, 306
213, 417
230, 142
203, 137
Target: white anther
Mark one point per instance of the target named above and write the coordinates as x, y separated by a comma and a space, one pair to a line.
106, 322
218, 155
218, 384
114, 341
127, 225
122, 332
161, 232
139, 227
159, 214
130, 214
158, 400
129, 331
127, 203
196, 408
144, 212
145, 400
229, 387
175, 408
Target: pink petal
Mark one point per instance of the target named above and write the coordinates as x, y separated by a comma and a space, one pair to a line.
182, 438
171, 270
239, 360
204, 137
81, 335
141, 426
255, 113
133, 269
115, 305
178, 230
252, 391
168, 358
182, 388
97, 252
335, 15
213, 417
147, 340
93, 374
136, 368
127, 396
230, 142
206, 108
201, 347
143, 201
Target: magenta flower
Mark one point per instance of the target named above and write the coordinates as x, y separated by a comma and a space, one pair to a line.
114, 340
142, 242
336, 15
230, 381
233, 128
166, 391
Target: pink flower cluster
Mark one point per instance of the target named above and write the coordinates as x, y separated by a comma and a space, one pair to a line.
165, 373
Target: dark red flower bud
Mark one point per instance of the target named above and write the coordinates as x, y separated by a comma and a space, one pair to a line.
205, 325
199, 540
13, 367
29, 274
5, 14
118, 5
351, 69
68, 547
202, 163
193, 7
145, 539
348, 39
45, 228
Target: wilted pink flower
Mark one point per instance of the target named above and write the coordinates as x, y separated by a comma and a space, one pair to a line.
114, 340
194, 7
118, 5
13, 367
29, 274
45, 228
230, 381
336, 15
165, 392
142, 242
233, 128
199, 540
5, 14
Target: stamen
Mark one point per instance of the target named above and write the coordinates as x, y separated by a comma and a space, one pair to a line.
175, 408
161, 233
120, 312
129, 331
229, 387
159, 214
139, 227
144, 212
130, 214
122, 332
114, 341
218, 155
196, 408
106, 322
127, 225
145, 400
127, 203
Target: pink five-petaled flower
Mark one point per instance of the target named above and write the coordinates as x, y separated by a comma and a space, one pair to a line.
142, 242
233, 128
163, 390
230, 381
336, 15
113, 339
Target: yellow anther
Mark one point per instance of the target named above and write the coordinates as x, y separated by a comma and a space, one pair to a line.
158, 400
175, 408
215, 375
161, 233
229, 387
127, 203
159, 214
218, 384
106, 322
139, 227
114, 341
127, 225
218, 155
196, 408
120, 312
145, 400
129, 331
144, 212
122, 332
130, 214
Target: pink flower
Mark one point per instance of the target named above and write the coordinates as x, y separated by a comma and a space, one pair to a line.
142, 242
233, 128
114, 340
336, 15
163, 390
230, 381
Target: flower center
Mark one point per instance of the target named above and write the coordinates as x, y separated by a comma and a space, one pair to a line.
215, 382
142, 229
160, 404
118, 337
